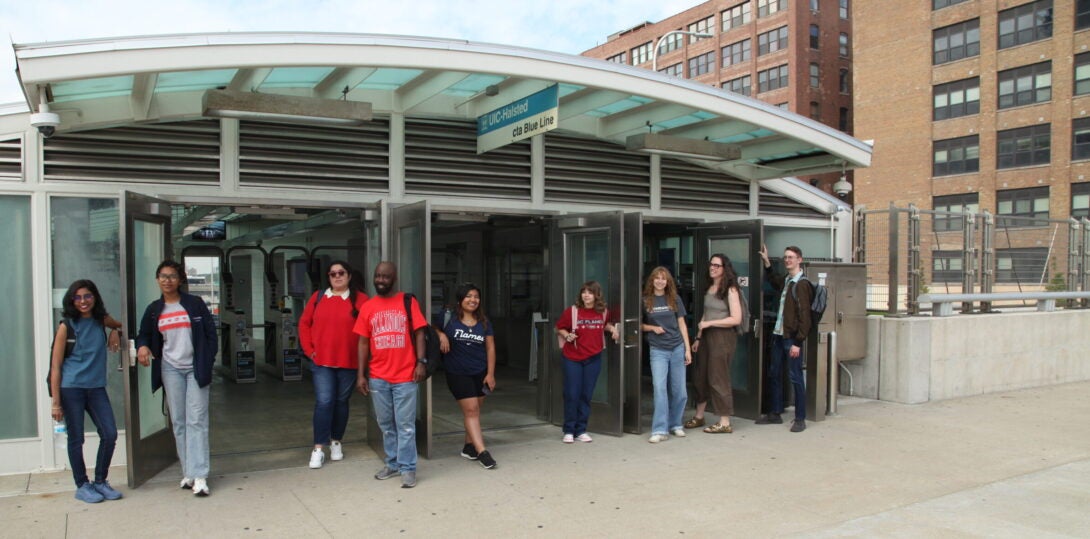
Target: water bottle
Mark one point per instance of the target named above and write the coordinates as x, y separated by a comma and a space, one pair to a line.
60, 435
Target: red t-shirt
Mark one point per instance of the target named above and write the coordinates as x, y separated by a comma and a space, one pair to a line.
325, 332
383, 322
590, 333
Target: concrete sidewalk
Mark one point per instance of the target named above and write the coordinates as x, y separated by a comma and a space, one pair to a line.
1013, 464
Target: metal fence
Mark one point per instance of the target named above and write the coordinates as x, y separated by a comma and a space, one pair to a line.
909, 251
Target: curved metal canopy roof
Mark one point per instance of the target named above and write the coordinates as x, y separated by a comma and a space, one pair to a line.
96, 83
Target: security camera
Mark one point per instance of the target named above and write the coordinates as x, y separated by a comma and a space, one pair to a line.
842, 188
46, 122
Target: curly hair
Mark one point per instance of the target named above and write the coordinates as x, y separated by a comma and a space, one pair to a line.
594, 288
649, 289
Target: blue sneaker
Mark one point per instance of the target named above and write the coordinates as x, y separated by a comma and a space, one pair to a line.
87, 493
103, 487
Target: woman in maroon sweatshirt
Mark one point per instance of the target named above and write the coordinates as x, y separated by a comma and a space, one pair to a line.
583, 327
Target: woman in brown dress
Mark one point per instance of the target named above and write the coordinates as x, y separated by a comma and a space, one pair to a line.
714, 345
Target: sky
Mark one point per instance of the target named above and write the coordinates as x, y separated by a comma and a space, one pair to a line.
568, 26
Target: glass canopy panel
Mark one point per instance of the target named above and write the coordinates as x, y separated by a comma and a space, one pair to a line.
743, 137
389, 78
619, 106
295, 77
187, 81
698, 116
73, 90
566, 89
473, 85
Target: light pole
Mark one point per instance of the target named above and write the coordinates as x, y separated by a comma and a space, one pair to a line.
655, 52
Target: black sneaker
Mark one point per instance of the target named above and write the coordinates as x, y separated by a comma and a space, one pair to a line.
769, 419
469, 452
486, 460
798, 425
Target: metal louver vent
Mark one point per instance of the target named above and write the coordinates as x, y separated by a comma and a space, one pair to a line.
441, 158
302, 156
11, 159
593, 171
773, 203
180, 152
686, 186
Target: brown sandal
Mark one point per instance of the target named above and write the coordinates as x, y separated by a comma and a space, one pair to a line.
694, 422
719, 429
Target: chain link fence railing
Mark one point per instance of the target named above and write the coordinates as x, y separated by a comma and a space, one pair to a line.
910, 251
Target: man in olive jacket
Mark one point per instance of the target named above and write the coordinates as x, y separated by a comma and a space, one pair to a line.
792, 326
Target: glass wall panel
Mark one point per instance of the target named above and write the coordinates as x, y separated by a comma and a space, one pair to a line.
84, 235
20, 383
147, 254
588, 260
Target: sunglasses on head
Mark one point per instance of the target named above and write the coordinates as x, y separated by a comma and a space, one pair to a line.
338, 273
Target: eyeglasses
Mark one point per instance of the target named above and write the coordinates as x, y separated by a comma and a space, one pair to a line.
168, 277
84, 297
714, 265
338, 273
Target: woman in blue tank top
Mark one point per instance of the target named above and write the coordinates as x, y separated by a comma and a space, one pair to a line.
78, 384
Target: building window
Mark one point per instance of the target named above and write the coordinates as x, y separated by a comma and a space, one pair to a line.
741, 85
814, 6
845, 47
771, 79
844, 9
957, 41
1082, 14
947, 266
736, 53
641, 54
815, 36
700, 27
1023, 265
815, 111
968, 202
939, 4
845, 121
1025, 23
955, 99
768, 7
772, 41
1019, 207
1082, 73
671, 43
1080, 139
1080, 200
955, 156
845, 81
674, 70
1025, 85
619, 58
1024, 146
699, 65
815, 76
737, 16
783, 105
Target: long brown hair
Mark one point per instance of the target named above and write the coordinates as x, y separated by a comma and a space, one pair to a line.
730, 278
594, 288
649, 289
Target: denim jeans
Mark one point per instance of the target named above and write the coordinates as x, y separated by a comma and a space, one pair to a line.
781, 351
395, 410
188, 407
94, 401
668, 380
580, 377
332, 389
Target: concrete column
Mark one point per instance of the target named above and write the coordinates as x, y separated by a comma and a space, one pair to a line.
397, 156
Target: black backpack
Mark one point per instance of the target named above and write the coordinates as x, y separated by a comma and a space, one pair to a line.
431, 340
819, 302
69, 344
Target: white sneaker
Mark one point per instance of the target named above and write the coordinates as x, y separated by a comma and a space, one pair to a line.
568, 438
584, 438
317, 457
656, 438
187, 483
200, 487
335, 451
680, 433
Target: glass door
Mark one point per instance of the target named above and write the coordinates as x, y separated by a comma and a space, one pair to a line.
741, 242
409, 242
631, 336
589, 248
145, 237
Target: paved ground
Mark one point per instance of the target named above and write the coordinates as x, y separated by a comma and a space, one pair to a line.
1014, 464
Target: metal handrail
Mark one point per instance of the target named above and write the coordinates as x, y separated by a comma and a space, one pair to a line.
943, 304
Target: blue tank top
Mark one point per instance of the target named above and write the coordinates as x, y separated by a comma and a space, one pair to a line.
86, 367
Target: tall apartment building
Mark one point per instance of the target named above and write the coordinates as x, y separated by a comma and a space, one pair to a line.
978, 104
795, 54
